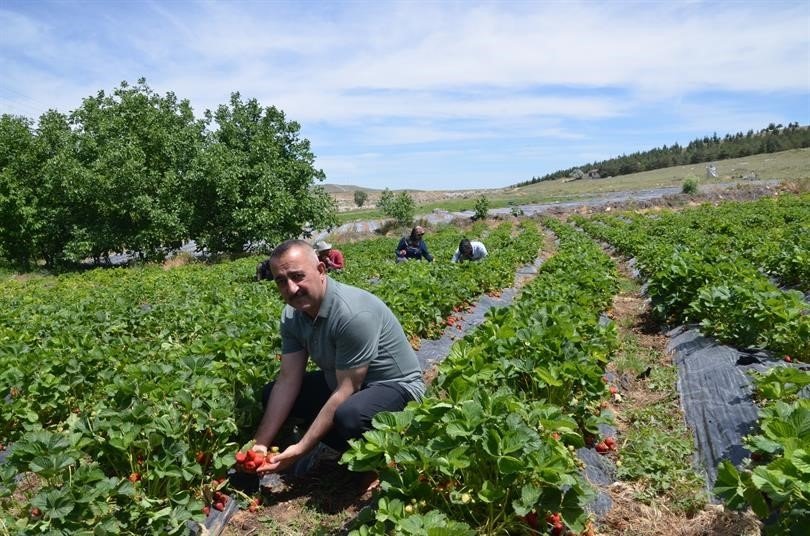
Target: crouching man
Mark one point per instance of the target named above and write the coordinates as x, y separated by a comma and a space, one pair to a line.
366, 364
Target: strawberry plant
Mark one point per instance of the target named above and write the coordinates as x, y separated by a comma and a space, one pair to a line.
776, 482
151, 377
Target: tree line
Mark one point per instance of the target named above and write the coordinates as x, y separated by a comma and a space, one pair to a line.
134, 171
772, 139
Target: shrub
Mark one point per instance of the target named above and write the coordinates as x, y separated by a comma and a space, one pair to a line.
481, 208
690, 186
360, 197
398, 206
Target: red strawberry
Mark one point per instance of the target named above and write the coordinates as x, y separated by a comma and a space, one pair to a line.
788, 359
554, 518
531, 520
250, 466
610, 442
241, 457
602, 448
35, 512
219, 506
206, 510
201, 457
613, 389
135, 477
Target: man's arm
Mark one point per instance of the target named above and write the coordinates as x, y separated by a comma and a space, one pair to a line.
282, 398
425, 253
348, 383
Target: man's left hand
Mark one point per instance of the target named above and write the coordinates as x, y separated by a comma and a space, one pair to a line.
280, 461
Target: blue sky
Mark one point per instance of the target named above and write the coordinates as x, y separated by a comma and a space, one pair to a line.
433, 95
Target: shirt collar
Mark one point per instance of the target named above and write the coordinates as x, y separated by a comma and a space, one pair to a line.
328, 298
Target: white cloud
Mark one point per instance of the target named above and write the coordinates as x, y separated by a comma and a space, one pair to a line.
451, 74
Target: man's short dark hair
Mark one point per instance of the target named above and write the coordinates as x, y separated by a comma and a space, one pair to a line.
465, 247
286, 246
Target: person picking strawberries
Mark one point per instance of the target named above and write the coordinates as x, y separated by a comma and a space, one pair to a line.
366, 364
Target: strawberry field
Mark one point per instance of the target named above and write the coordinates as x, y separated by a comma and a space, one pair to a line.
127, 392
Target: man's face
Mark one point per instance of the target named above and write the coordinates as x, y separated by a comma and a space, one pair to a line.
301, 279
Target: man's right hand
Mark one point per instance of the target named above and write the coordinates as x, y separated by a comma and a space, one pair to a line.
275, 461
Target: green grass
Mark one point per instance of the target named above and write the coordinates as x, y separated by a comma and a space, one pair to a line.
657, 447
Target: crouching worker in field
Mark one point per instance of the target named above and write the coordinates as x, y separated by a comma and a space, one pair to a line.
332, 258
413, 246
469, 251
366, 364
263, 270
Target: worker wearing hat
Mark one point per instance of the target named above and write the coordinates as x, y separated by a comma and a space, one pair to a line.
332, 258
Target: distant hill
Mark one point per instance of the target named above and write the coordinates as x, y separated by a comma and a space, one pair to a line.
346, 188
772, 139
350, 188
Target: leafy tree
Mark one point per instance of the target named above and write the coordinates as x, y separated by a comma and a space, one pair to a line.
481, 208
386, 199
398, 206
254, 184
18, 172
39, 177
61, 193
139, 149
360, 197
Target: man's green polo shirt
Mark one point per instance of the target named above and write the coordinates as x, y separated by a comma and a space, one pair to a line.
353, 328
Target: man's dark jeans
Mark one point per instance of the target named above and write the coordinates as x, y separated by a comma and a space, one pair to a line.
353, 417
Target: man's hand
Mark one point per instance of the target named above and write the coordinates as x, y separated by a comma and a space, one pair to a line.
275, 462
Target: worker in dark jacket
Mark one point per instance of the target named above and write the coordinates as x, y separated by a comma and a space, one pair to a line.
263, 270
413, 246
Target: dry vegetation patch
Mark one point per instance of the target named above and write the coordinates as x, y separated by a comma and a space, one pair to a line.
644, 348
